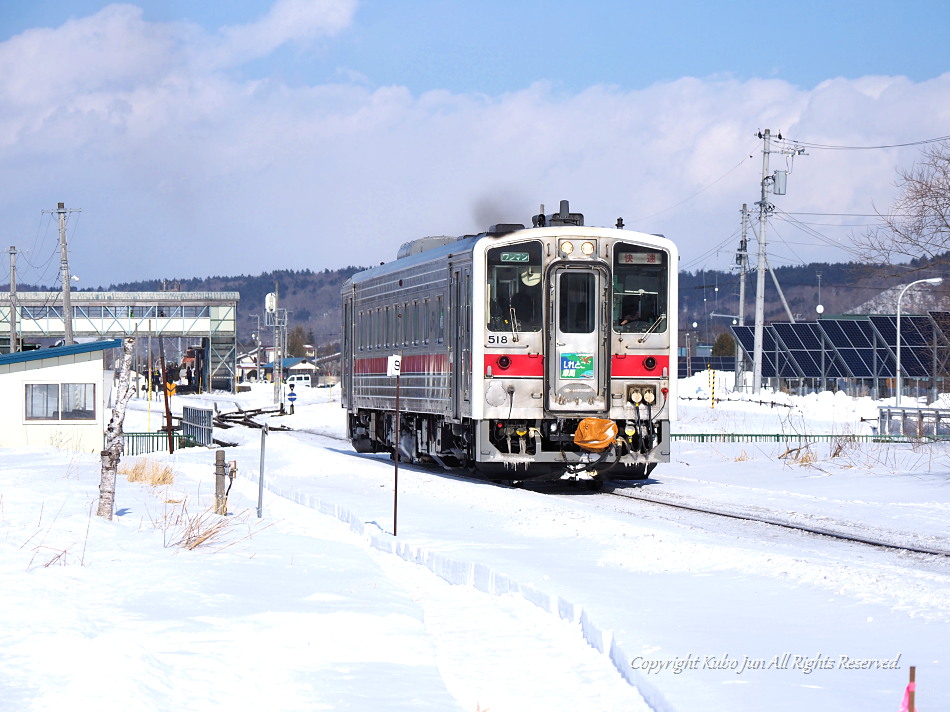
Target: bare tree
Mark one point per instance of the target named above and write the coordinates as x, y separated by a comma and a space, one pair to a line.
918, 224
114, 435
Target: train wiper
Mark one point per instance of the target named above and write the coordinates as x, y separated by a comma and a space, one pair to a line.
653, 326
515, 326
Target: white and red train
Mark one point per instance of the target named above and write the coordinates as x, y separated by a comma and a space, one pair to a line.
525, 352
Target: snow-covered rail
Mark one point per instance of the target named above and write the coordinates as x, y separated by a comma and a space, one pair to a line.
839, 530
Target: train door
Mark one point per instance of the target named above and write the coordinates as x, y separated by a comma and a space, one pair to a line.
453, 339
348, 351
578, 366
465, 339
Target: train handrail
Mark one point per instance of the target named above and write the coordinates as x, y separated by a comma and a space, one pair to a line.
800, 437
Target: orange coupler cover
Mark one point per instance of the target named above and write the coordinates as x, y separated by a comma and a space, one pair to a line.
595, 434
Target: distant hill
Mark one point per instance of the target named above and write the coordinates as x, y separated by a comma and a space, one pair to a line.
312, 299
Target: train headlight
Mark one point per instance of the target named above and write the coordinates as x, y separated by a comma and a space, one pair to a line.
567, 247
587, 248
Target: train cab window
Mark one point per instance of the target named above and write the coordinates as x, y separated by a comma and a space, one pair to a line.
578, 300
640, 289
513, 293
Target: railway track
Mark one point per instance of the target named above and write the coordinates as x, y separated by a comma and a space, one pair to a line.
841, 534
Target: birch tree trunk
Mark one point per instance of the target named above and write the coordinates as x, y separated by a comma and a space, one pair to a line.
114, 436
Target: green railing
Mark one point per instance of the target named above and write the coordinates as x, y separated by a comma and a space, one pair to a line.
796, 437
144, 443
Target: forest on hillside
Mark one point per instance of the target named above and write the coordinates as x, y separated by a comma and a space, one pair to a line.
710, 298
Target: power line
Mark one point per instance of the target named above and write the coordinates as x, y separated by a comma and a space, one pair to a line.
690, 197
831, 147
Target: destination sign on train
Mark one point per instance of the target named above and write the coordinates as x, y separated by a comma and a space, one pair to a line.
640, 258
515, 257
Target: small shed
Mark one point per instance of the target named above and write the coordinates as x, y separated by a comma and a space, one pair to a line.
56, 396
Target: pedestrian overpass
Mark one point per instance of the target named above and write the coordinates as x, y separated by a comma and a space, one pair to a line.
182, 319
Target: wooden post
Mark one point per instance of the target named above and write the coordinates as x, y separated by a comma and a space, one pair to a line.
220, 499
168, 410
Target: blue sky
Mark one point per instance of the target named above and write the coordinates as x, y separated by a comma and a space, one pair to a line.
223, 138
495, 46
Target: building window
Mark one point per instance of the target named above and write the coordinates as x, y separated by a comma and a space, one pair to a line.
60, 401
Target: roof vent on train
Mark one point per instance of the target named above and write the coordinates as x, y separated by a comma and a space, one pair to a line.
414, 247
562, 217
504, 228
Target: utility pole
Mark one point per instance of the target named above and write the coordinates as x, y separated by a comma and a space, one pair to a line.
776, 181
64, 264
64, 269
764, 208
742, 260
13, 339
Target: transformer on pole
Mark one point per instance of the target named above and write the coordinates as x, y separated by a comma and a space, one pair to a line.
776, 182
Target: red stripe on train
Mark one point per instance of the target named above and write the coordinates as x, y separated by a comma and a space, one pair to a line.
520, 365
532, 365
624, 366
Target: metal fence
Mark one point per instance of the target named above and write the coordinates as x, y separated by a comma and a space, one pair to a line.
198, 424
920, 423
144, 443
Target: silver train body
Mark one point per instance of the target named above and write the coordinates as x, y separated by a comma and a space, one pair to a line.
508, 341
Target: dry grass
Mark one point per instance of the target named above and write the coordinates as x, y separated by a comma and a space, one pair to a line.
186, 530
149, 472
803, 455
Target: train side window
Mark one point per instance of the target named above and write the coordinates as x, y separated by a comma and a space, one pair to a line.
440, 320
388, 324
513, 288
640, 286
415, 323
426, 332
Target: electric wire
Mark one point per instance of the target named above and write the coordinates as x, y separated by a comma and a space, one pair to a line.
690, 197
832, 147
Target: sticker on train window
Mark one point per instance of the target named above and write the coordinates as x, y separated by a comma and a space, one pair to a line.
577, 365
640, 258
515, 257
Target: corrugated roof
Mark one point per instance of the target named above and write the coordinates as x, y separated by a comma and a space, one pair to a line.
58, 351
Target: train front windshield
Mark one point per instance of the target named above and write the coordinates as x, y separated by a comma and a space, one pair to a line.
514, 288
640, 289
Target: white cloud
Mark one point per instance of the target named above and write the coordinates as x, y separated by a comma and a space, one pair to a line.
213, 174
287, 21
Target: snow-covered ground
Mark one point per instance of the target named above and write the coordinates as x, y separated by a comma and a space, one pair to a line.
489, 598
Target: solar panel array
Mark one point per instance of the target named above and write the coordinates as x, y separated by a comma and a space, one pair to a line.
855, 344
706, 363
852, 348
807, 350
917, 342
